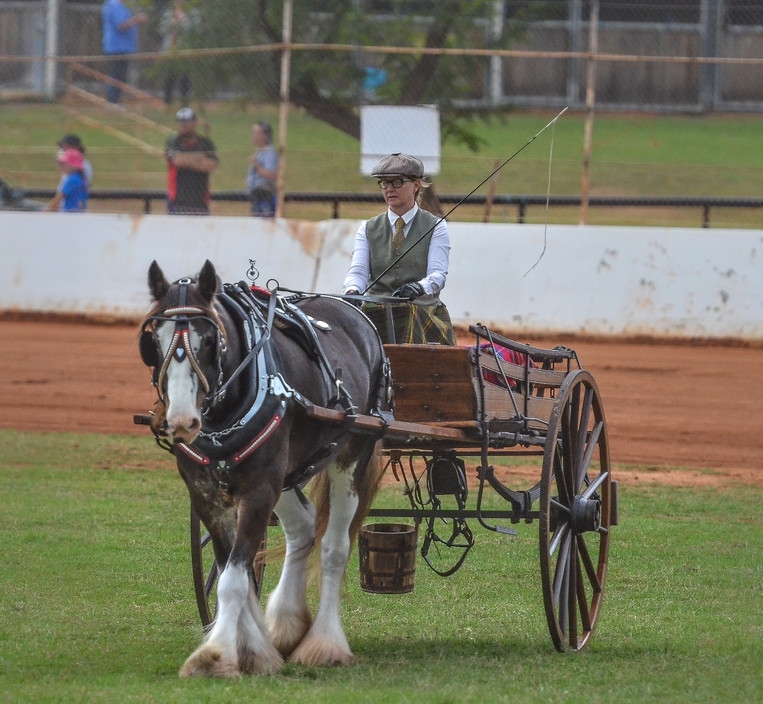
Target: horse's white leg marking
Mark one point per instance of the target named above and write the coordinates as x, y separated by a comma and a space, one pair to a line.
237, 643
183, 415
326, 642
287, 614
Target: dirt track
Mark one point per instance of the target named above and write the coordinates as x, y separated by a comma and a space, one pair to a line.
668, 405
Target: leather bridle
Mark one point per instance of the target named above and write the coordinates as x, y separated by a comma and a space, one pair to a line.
180, 346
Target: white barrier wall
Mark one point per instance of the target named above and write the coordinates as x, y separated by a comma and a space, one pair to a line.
596, 280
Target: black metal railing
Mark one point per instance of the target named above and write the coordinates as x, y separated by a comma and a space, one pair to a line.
522, 202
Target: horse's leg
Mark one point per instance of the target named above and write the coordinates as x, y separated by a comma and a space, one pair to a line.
217, 514
238, 642
325, 642
287, 614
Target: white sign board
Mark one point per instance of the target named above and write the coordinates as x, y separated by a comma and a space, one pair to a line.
409, 129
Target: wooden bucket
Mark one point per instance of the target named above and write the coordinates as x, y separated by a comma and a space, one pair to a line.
387, 557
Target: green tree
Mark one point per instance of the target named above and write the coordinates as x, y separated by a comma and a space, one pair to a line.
329, 85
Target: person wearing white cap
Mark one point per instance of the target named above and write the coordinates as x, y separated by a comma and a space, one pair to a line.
403, 253
191, 158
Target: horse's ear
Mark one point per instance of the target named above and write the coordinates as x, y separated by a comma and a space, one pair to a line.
208, 281
157, 283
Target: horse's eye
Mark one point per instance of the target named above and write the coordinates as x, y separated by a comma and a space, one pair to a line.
207, 342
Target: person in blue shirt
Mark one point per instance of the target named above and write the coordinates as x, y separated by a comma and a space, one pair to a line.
262, 172
73, 188
71, 141
120, 37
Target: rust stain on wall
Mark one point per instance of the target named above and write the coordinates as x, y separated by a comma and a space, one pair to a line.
310, 236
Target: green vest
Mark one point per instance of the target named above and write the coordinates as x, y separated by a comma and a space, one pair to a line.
412, 266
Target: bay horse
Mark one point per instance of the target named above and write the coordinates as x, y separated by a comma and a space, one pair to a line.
236, 375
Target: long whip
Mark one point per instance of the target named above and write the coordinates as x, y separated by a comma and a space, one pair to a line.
478, 186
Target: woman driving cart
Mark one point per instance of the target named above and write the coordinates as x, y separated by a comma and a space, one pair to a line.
402, 255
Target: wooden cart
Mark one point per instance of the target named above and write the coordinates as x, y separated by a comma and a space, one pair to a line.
495, 399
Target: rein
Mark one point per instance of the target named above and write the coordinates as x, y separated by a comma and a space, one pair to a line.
252, 354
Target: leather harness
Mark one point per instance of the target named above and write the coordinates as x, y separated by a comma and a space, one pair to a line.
230, 440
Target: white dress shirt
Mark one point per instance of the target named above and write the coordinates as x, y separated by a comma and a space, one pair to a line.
359, 275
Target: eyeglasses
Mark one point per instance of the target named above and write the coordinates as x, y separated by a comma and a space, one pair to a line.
396, 183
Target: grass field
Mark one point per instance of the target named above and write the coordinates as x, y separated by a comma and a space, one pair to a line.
634, 155
97, 602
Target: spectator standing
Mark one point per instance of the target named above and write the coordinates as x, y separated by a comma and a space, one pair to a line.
120, 37
191, 158
71, 141
262, 172
175, 23
405, 252
73, 189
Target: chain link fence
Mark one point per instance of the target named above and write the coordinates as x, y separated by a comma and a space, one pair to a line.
311, 70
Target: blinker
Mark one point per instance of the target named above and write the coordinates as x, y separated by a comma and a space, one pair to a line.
148, 352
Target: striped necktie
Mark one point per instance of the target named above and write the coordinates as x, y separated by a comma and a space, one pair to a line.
398, 238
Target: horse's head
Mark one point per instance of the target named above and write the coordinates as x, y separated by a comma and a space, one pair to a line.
182, 340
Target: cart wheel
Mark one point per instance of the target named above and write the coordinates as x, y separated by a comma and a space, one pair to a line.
205, 571
575, 513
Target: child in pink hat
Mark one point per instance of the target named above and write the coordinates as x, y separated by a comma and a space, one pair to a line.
73, 187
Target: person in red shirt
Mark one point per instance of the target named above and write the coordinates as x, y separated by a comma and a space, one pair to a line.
191, 159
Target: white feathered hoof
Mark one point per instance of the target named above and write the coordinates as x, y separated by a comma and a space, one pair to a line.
288, 630
317, 651
268, 663
210, 661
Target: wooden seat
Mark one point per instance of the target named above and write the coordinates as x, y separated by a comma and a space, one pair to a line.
444, 385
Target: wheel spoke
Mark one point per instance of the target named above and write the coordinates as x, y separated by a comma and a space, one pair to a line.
572, 588
563, 599
590, 568
568, 450
593, 441
211, 578
579, 466
560, 507
565, 497
594, 485
574, 407
585, 615
562, 568
559, 534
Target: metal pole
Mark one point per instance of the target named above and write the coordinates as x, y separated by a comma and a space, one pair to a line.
496, 62
283, 113
575, 24
590, 101
51, 49
709, 27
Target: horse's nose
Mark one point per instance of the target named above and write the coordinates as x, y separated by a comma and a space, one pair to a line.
183, 429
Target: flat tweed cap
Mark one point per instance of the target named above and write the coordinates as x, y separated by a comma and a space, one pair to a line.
399, 165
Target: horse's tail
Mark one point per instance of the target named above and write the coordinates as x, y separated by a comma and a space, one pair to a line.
366, 483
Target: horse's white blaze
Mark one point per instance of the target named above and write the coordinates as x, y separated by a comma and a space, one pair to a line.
183, 414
